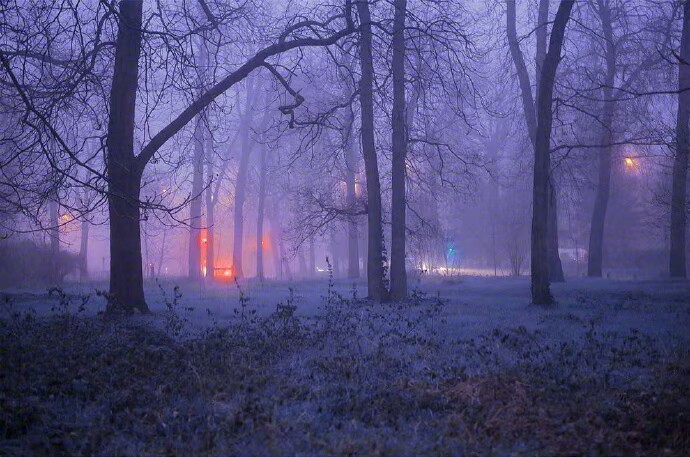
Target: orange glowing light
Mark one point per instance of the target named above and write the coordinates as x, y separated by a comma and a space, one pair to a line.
203, 252
222, 274
632, 165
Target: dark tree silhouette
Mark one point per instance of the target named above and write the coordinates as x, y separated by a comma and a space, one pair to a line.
541, 293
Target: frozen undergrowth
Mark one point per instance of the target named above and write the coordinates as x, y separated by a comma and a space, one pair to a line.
356, 378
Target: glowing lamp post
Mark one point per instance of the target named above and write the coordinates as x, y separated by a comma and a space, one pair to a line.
632, 165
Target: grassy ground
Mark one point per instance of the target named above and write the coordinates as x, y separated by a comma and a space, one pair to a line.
605, 372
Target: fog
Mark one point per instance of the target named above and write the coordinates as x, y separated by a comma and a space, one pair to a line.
167, 161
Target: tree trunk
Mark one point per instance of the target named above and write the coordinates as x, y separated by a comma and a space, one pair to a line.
541, 293
285, 263
555, 266
312, 257
195, 222
210, 211
275, 238
351, 200
242, 178
541, 34
596, 232
677, 261
302, 264
54, 213
528, 105
126, 276
601, 201
375, 280
124, 171
162, 254
335, 255
240, 197
260, 217
84, 250
399, 141
523, 77
277, 235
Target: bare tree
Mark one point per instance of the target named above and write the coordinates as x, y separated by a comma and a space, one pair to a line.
541, 293
620, 75
375, 268
677, 261
530, 113
125, 168
195, 204
241, 184
398, 281
596, 236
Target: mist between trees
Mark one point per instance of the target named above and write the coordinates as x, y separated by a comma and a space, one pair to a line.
230, 140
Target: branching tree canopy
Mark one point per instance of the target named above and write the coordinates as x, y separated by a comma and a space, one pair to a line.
382, 125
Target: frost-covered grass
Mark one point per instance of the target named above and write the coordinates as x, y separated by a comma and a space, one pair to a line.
464, 367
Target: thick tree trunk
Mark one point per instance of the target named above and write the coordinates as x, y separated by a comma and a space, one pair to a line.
84, 250
260, 216
124, 171
528, 105
375, 280
399, 141
555, 266
195, 222
541, 293
126, 276
677, 261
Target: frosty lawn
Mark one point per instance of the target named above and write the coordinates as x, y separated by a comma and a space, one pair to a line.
465, 366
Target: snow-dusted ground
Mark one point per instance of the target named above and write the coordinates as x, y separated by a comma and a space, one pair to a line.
466, 367
473, 305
